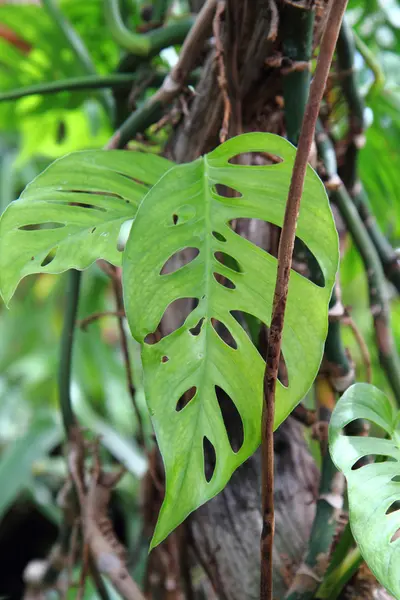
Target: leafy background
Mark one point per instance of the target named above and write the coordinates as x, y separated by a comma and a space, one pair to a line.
33, 132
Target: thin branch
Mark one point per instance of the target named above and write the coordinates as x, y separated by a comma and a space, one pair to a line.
378, 295
117, 287
346, 59
273, 28
67, 340
152, 110
99, 538
86, 82
83, 323
222, 82
285, 253
337, 364
362, 345
68, 416
388, 256
78, 48
372, 63
148, 44
345, 56
304, 415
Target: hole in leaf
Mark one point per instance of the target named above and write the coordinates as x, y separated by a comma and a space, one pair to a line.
395, 536
183, 214
232, 419
186, 398
209, 459
84, 205
249, 323
225, 191
258, 334
393, 507
95, 193
228, 261
173, 318
218, 236
179, 260
224, 281
283, 376
153, 338
49, 258
138, 181
224, 333
36, 226
304, 261
164, 359
255, 159
364, 461
94, 229
197, 328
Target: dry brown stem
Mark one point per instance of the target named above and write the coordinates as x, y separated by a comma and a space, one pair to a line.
285, 253
347, 320
222, 81
83, 323
99, 538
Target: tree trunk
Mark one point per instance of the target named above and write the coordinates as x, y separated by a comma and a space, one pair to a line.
225, 532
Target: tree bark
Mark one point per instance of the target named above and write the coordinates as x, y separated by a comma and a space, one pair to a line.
225, 532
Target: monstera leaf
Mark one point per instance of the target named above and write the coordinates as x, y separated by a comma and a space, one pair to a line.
373, 488
209, 361
71, 214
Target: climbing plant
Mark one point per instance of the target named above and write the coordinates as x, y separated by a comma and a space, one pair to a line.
72, 214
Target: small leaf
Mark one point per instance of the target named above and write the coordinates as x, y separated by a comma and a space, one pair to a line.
373, 488
211, 350
71, 214
16, 462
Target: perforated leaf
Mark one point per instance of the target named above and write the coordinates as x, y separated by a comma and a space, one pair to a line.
71, 214
373, 487
185, 210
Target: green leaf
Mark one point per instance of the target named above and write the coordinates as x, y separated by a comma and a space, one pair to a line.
16, 462
40, 54
71, 214
184, 210
375, 487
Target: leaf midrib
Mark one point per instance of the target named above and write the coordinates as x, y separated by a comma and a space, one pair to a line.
207, 323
